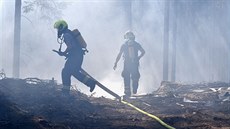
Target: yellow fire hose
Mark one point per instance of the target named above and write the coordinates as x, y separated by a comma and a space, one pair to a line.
126, 103
148, 114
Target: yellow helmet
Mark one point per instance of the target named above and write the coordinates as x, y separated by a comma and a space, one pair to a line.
60, 25
129, 35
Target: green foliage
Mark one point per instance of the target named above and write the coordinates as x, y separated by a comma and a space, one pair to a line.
47, 10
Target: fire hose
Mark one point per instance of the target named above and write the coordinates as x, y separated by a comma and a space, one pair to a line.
148, 114
124, 102
127, 103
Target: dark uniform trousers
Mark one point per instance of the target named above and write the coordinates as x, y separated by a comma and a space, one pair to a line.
131, 72
73, 67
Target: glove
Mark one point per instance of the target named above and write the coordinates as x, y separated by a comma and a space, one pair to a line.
115, 66
61, 53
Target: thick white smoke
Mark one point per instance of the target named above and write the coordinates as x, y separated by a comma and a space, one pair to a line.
202, 46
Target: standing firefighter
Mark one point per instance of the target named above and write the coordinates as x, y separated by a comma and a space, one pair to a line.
130, 51
74, 52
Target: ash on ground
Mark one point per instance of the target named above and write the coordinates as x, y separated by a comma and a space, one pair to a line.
34, 103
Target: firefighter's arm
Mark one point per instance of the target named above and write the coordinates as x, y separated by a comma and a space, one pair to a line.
142, 53
66, 50
118, 58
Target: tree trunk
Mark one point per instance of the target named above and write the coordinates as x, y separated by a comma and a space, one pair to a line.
166, 41
17, 30
128, 11
173, 73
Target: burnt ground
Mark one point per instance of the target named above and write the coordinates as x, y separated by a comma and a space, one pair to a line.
38, 104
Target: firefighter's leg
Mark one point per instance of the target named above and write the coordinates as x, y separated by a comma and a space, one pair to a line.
126, 77
135, 75
66, 77
72, 65
76, 61
80, 75
85, 79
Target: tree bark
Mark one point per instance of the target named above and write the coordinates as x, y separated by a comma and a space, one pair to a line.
173, 73
166, 41
128, 11
17, 30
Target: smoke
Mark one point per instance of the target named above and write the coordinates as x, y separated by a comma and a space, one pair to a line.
203, 50
6, 35
202, 42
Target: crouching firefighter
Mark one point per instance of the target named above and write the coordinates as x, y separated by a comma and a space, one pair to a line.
74, 52
130, 72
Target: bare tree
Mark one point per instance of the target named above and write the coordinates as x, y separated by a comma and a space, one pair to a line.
174, 40
17, 33
128, 11
166, 41
49, 10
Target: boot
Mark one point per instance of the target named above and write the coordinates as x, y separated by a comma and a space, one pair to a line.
91, 83
65, 90
134, 90
135, 86
127, 91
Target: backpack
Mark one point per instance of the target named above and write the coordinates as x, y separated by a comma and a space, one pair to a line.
79, 38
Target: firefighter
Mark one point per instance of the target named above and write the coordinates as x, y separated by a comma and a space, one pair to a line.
130, 51
74, 58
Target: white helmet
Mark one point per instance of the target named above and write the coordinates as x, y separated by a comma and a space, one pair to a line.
129, 35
